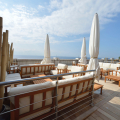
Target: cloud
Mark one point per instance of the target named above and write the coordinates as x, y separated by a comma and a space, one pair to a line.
71, 17
75, 16
40, 7
54, 4
61, 18
76, 40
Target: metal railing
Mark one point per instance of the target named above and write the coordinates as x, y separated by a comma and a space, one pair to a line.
56, 96
44, 77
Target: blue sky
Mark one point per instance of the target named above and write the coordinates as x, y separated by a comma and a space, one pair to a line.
65, 21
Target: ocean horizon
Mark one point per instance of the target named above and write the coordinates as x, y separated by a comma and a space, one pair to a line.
41, 57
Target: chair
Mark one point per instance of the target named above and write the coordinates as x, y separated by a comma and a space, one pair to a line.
83, 65
13, 69
74, 69
61, 68
74, 63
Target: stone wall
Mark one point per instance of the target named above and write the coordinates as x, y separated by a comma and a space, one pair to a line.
33, 61
64, 61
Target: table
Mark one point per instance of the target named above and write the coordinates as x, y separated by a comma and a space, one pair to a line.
115, 78
98, 86
42, 80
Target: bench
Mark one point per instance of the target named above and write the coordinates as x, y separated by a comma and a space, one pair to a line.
109, 66
70, 91
33, 69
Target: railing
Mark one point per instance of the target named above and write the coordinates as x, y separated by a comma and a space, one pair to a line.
55, 96
64, 61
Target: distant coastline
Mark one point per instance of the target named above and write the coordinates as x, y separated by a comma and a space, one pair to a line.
41, 57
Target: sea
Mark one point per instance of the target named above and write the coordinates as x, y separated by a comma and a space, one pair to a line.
41, 57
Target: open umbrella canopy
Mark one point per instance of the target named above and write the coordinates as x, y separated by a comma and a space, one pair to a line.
83, 52
46, 52
94, 47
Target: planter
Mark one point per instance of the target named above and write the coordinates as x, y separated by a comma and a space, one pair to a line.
5, 116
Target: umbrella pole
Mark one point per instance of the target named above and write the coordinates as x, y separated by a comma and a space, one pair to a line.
3, 67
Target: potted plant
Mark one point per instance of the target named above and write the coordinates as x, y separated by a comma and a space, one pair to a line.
3, 69
3, 73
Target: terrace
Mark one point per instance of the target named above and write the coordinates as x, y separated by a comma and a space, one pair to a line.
48, 91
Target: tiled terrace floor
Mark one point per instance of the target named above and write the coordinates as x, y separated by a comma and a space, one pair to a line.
107, 105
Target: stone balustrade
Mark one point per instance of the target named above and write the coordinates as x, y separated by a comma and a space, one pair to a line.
64, 61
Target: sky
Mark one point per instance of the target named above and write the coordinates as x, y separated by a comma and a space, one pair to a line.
65, 21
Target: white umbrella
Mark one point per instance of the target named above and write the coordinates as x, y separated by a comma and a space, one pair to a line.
83, 52
94, 47
46, 52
